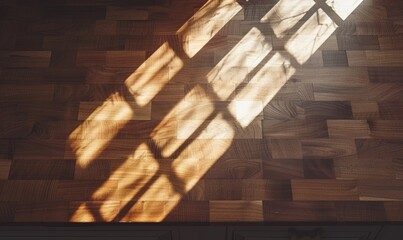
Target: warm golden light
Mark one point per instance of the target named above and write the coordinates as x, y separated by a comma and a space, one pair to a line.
184, 110
286, 14
248, 53
205, 24
313, 33
148, 80
100, 127
343, 8
149, 182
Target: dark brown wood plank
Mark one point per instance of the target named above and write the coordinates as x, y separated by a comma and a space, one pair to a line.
25, 59
303, 211
379, 148
318, 169
283, 169
360, 211
28, 169
324, 190
42, 211
294, 129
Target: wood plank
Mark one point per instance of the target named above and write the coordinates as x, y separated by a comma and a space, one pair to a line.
90, 58
300, 211
223, 189
358, 42
327, 148
283, 110
348, 129
332, 58
318, 169
23, 93
375, 58
7, 210
28, 169
142, 211
4, 168
246, 211
42, 211
365, 110
385, 91
320, 110
125, 13
25, 59
391, 110
15, 75
74, 12
137, 28
386, 129
342, 75
360, 211
385, 74
132, 59
39, 149
393, 211
6, 149
65, 75
294, 129
263, 189
235, 169
340, 92
295, 91
35, 190
105, 27
93, 211
110, 110
379, 148
218, 129
283, 169
188, 212
353, 167
83, 190
285, 149
398, 168
372, 189
390, 42
324, 190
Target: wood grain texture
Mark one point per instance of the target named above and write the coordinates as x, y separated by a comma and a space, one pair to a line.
201, 111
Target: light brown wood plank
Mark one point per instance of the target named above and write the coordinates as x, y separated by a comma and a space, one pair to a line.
113, 110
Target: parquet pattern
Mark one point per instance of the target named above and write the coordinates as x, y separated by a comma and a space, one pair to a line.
201, 111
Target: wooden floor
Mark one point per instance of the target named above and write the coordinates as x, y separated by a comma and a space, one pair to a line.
201, 111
